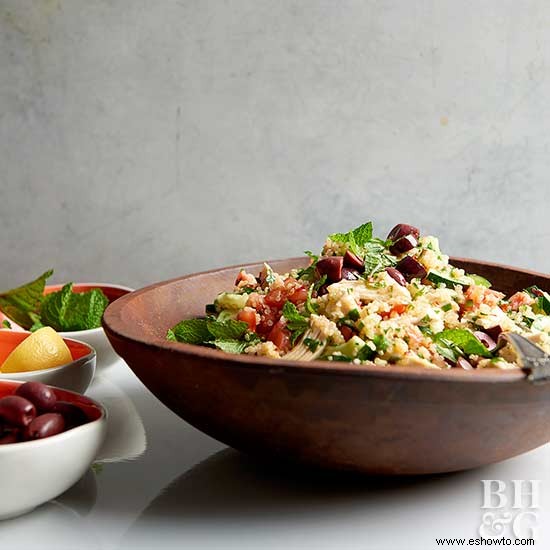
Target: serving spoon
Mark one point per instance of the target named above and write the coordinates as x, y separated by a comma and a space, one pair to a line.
532, 359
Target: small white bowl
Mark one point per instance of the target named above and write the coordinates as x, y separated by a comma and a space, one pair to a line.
94, 337
74, 376
34, 472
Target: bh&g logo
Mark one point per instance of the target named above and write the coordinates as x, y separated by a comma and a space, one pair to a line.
514, 508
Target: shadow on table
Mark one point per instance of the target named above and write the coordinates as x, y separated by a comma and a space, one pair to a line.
229, 484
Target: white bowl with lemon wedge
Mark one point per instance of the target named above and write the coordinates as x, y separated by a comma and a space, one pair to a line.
44, 356
74, 310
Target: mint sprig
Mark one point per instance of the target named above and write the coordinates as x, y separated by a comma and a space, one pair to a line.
66, 310
355, 239
230, 336
22, 304
458, 341
372, 250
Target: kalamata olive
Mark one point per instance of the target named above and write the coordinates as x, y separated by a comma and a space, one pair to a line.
396, 275
16, 410
45, 425
404, 244
494, 332
349, 274
40, 395
411, 268
462, 363
322, 290
347, 332
73, 415
9, 437
485, 339
354, 261
331, 266
402, 229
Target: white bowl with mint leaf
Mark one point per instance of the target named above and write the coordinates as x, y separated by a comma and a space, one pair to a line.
74, 310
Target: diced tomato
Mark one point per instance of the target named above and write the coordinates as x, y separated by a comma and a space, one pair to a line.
248, 316
476, 295
520, 299
398, 309
298, 295
280, 336
268, 318
276, 297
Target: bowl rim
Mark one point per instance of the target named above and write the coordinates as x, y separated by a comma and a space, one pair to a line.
75, 362
58, 438
113, 323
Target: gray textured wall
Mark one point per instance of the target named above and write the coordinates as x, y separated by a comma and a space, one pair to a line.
141, 140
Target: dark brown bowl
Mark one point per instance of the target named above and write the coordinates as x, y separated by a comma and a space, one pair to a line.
385, 420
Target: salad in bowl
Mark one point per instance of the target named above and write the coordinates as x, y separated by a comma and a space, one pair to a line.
366, 300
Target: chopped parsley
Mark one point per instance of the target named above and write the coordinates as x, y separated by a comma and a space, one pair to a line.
312, 344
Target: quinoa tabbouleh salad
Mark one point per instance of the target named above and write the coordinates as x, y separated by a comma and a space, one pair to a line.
367, 300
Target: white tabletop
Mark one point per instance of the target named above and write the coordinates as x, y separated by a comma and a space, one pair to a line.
159, 483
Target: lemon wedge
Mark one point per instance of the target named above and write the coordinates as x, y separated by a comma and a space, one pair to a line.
43, 349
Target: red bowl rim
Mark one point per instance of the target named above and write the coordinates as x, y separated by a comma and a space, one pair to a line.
10, 447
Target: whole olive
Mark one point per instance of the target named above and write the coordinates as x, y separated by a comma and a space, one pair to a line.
45, 425
16, 410
40, 395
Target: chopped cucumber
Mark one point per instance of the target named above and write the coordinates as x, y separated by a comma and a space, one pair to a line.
231, 301
479, 280
439, 278
349, 349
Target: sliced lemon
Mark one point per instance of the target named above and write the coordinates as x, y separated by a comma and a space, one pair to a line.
43, 349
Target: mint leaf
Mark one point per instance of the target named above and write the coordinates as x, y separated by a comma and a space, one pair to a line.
229, 336
54, 307
355, 239
450, 352
295, 321
190, 331
66, 310
236, 346
362, 234
227, 330
309, 273
6, 324
376, 258
231, 346
464, 340
19, 302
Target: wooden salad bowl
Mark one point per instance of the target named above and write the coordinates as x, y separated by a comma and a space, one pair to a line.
378, 420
